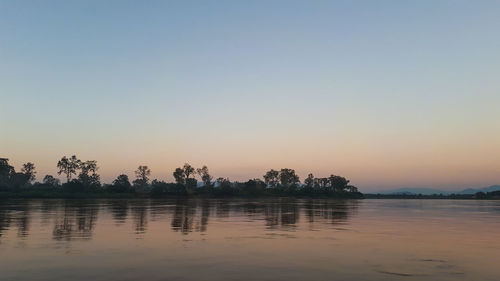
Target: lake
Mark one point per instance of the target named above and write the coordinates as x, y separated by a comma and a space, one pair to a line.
249, 239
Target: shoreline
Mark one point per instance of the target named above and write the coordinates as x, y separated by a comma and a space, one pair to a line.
68, 195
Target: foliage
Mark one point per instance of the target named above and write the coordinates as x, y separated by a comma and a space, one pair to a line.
183, 175
120, 184
68, 166
206, 178
6, 171
49, 180
288, 177
29, 170
271, 178
88, 174
283, 182
142, 177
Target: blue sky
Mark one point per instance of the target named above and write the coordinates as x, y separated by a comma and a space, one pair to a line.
387, 93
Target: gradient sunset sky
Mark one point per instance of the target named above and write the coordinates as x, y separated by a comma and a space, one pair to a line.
387, 93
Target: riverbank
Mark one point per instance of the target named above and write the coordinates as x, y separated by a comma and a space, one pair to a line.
495, 195
108, 195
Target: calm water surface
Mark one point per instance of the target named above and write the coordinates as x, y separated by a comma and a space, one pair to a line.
262, 239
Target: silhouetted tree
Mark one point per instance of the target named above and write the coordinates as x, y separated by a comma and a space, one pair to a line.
142, 173
206, 178
18, 180
285, 181
161, 188
352, 188
122, 180
50, 181
191, 182
338, 183
254, 187
321, 183
29, 170
121, 184
225, 186
480, 195
88, 175
309, 181
188, 170
183, 175
179, 176
288, 177
219, 181
68, 166
271, 178
6, 172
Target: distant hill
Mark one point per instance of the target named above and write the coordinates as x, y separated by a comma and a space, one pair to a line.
414, 190
484, 189
430, 191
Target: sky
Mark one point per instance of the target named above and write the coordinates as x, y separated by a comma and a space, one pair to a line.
386, 93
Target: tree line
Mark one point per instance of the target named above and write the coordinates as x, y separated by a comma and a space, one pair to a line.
82, 177
492, 195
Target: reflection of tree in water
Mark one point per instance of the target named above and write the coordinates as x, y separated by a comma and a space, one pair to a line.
276, 212
119, 210
284, 212
77, 222
18, 215
250, 208
223, 208
184, 212
47, 208
189, 214
76, 219
271, 213
331, 211
289, 213
160, 208
22, 220
5, 218
139, 210
205, 213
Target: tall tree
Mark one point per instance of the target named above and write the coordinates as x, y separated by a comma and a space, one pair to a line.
188, 170
68, 166
29, 170
183, 175
271, 178
179, 176
206, 178
288, 177
142, 174
88, 173
6, 171
338, 183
